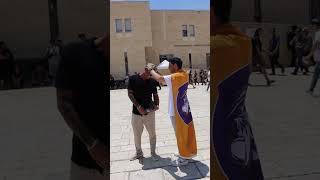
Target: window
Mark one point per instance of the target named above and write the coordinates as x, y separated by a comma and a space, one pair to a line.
128, 26
118, 25
184, 30
191, 31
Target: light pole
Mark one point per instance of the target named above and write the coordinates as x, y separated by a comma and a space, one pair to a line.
190, 59
53, 20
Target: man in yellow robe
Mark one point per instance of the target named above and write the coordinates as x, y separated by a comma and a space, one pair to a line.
234, 152
179, 110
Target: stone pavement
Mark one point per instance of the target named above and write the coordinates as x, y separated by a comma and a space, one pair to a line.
122, 143
286, 126
36, 143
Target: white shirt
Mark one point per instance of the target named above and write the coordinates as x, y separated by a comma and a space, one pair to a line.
171, 104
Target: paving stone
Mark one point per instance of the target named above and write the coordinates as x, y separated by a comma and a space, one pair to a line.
155, 174
120, 176
166, 140
185, 172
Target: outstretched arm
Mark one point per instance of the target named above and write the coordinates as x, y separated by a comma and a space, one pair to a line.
157, 77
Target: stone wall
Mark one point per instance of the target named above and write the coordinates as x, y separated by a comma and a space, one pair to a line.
135, 42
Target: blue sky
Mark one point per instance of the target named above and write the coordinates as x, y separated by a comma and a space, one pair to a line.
178, 4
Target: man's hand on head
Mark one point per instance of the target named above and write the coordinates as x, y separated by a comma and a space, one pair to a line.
150, 66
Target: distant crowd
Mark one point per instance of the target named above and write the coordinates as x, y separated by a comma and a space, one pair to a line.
13, 73
195, 78
300, 41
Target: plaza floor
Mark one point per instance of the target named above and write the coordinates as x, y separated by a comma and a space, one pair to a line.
36, 143
122, 143
286, 125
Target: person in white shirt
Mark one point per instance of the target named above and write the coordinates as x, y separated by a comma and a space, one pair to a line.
316, 54
179, 110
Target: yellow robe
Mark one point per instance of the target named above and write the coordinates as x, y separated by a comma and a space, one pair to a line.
234, 153
185, 133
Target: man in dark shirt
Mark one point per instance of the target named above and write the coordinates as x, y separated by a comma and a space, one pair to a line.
81, 97
290, 36
140, 90
274, 52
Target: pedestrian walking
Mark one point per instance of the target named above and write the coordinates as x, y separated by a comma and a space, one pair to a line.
258, 56
299, 42
274, 52
195, 78
190, 79
315, 52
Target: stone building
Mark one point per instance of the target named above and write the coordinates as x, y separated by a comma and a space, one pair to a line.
139, 35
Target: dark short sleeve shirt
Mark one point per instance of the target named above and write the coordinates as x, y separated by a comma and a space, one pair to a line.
82, 70
142, 91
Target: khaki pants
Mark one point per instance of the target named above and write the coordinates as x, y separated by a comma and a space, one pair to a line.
138, 123
81, 173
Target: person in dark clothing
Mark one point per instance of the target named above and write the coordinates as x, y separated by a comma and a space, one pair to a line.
190, 79
307, 48
82, 101
190, 76
299, 42
202, 77
141, 89
112, 82
195, 78
290, 36
257, 55
6, 66
17, 77
274, 52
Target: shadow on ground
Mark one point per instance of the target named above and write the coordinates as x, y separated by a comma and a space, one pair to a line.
194, 170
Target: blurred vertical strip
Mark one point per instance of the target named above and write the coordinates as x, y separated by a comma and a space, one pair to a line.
53, 20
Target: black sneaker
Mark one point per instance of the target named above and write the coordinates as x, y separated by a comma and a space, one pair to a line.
155, 157
137, 156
